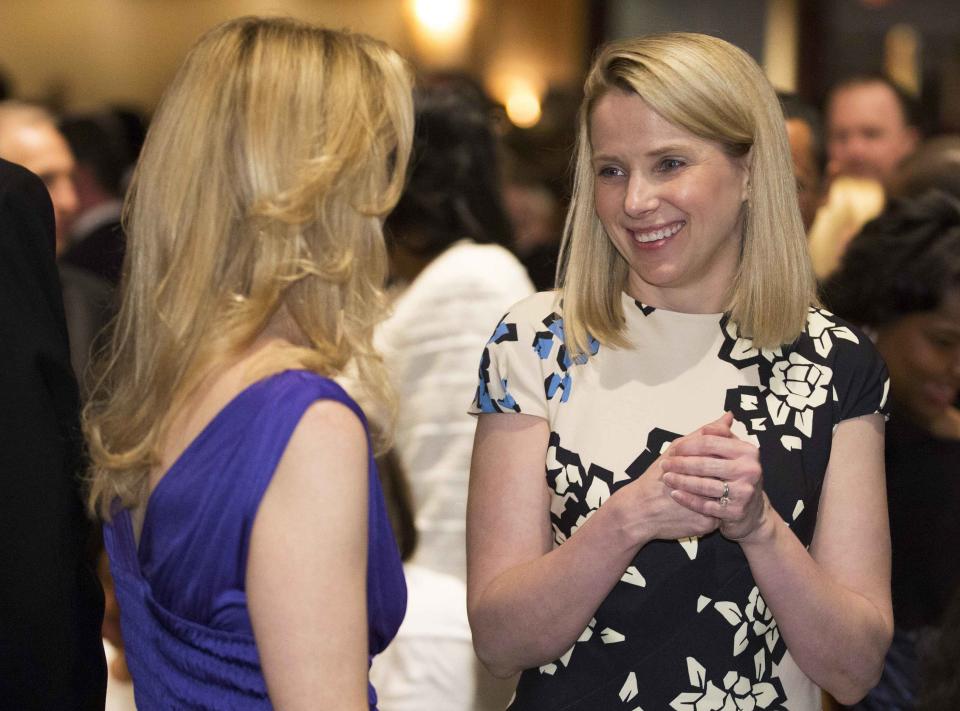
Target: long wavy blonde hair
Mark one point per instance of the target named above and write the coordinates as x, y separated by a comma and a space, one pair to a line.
717, 92
273, 158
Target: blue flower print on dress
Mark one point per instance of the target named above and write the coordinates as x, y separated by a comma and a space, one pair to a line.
543, 341
543, 344
503, 332
485, 401
554, 382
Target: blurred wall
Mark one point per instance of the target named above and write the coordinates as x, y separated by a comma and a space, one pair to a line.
540, 41
82, 53
77, 54
738, 21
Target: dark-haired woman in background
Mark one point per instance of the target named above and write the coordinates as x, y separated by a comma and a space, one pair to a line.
447, 239
900, 278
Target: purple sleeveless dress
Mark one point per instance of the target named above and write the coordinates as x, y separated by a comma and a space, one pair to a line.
182, 594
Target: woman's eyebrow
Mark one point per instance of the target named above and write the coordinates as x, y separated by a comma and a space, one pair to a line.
667, 148
652, 153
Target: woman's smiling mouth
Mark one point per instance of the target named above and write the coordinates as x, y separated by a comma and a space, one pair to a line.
657, 234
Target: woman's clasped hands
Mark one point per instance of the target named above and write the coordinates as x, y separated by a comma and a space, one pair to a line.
707, 480
716, 474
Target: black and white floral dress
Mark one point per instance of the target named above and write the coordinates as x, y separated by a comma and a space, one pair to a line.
686, 627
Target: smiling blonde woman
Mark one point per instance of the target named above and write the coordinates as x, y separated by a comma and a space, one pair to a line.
677, 495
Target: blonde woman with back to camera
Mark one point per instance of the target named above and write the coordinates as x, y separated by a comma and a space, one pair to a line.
677, 496
248, 539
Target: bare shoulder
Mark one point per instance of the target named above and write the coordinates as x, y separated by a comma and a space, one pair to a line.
329, 437
328, 425
331, 415
326, 460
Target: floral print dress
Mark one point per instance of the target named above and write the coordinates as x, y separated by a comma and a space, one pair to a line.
686, 628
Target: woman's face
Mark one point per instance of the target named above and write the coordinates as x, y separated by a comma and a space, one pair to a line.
670, 202
922, 351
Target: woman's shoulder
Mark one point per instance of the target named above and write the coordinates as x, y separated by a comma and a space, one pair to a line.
831, 337
308, 382
535, 309
840, 353
532, 315
294, 392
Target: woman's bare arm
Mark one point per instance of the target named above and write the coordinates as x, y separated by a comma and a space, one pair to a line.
832, 604
306, 572
528, 601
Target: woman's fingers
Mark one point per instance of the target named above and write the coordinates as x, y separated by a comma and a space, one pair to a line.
650, 501
713, 467
700, 486
719, 427
727, 501
697, 504
711, 473
710, 446
724, 493
738, 504
714, 473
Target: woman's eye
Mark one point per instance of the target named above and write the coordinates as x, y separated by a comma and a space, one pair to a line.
609, 171
668, 164
942, 339
944, 342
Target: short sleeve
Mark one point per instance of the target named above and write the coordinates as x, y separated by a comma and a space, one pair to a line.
860, 378
510, 378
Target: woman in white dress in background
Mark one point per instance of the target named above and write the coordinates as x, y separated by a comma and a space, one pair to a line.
448, 240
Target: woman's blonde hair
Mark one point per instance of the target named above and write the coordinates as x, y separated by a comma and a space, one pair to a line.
716, 92
271, 162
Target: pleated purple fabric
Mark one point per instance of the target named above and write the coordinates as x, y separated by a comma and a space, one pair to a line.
182, 595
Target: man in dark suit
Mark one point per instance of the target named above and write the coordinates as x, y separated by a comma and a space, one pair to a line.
51, 605
96, 237
29, 137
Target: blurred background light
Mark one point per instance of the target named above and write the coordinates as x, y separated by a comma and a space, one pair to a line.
442, 17
523, 105
518, 84
441, 31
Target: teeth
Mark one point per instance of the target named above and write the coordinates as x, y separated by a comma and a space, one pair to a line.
662, 233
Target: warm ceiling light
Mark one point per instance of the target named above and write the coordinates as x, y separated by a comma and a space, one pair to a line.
523, 106
442, 17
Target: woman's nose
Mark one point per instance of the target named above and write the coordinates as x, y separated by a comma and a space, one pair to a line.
641, 197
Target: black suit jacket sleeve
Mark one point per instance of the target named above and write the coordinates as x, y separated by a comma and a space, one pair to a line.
51, 606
